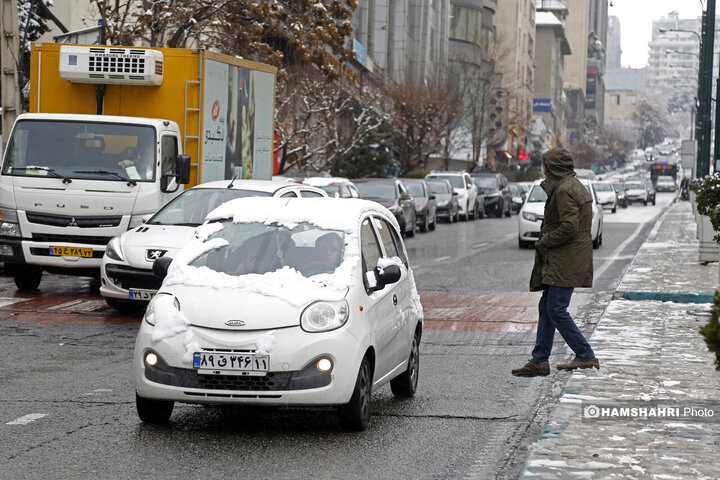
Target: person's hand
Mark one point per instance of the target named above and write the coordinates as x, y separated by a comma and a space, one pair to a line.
126, 163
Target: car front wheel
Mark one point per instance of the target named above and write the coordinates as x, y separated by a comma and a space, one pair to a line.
153, 411
355, 415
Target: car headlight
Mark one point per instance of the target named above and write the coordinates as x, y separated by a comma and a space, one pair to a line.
324, 316
443, 204
529, 216
9, 226
114, 250
149, 316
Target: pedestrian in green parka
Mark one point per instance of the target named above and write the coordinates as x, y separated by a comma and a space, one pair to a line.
563, 261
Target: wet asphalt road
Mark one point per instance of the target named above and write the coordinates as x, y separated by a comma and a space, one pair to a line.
68, 402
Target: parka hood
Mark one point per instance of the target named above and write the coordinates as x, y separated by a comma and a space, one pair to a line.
558, 163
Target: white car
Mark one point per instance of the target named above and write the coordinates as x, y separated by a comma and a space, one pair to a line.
665, 184
532, 214
126, 278
606, 195
635, 191
469, 206
251, 312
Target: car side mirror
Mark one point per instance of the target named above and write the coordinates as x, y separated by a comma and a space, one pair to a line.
405, 197
160, 266
386, 276
165, 181
431, 197
454, 193
183, 169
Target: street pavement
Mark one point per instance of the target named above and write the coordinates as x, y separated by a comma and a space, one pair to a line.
653, 408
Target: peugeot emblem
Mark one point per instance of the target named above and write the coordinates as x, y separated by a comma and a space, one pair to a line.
152, 255
73, 223
235, 323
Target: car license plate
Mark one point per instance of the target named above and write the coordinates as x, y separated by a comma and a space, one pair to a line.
231, 363
71, 251
139, 294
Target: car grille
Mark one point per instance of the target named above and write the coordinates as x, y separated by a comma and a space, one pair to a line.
67, 220
81, 239
272, 381
129, 277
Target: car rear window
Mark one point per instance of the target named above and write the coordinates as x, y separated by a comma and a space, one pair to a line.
455, 180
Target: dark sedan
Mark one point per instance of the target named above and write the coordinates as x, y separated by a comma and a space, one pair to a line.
425, 203
446, 199
494, 186
392, 194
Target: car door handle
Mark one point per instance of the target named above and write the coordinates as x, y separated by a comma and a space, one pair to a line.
394, 299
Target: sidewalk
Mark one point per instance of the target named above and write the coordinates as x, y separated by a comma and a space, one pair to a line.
651, 355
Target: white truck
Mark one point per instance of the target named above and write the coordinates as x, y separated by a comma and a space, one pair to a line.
70, 183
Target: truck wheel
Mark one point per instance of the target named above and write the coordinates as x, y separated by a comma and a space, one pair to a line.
27, 277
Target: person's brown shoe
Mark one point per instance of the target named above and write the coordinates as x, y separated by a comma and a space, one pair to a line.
532, 369
577, 363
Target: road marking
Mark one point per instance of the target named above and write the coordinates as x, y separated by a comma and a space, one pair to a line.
442, 259
9, 301
29, 418
615, 255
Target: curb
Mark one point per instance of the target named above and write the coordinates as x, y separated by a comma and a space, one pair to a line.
670, 297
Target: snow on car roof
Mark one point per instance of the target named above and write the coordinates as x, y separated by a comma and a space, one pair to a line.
324, 181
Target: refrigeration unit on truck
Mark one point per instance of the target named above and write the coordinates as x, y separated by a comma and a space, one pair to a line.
114, 133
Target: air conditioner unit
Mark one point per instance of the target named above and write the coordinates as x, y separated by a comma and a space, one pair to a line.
111, 65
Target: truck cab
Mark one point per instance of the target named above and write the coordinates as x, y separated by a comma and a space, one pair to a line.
71, 182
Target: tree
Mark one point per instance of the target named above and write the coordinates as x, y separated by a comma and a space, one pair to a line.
372, 156
420, 113
651, 122
280, 33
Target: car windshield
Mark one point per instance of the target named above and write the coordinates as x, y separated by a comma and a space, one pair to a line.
665, 180
437, 186
603, 187
455, 180
192, 206
416, 189
618, 187
537, 194
258, 248
486, 182
384, 190
83, 150
332, 190
634, 186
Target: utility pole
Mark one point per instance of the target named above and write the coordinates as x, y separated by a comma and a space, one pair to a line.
9, 56
706, 69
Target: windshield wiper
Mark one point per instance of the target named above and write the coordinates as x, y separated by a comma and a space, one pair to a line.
130, 181
52, 172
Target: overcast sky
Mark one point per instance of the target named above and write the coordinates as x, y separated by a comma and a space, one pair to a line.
636, 17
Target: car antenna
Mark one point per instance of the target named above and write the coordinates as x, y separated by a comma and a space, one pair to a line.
232, 181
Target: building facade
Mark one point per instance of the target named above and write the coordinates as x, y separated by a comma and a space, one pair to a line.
624, 88
515, 44
614, 50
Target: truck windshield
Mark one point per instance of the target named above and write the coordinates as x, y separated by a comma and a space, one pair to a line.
82, 150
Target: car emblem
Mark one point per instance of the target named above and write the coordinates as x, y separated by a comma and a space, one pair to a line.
152, 255
73, 223
235, 323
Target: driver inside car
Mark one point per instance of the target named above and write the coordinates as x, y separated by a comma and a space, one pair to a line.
329, 247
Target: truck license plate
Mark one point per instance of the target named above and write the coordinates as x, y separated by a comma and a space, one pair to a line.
231, 363
71, 251
139, 294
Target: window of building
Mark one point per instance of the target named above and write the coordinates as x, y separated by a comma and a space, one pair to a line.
614, 99
465, 24
630, 100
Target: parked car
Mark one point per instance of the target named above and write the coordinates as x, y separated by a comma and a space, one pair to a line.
494, 187
635, 191
446, 199
425, 203
606, 195
620, 194
126, 278
665, 184
392, 194
334, 186
651, 191
532, 214
468, 202
294, 330
518, 195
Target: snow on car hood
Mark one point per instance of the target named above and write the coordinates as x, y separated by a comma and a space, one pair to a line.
170, 238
